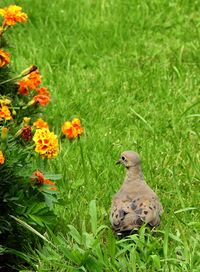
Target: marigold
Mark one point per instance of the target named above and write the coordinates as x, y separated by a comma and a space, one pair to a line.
34, 79
23, 87
40, 123
26, 133
30, 82
4, 58
43, 96
76, 123
5, 113
40, 179
13, 14
72, 129
46, 143
2, 159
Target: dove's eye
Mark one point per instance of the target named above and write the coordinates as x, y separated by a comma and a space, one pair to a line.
123, 158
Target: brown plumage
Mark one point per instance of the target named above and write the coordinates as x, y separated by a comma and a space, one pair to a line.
135, 203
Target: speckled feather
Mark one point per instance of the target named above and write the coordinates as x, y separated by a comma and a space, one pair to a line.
135, 203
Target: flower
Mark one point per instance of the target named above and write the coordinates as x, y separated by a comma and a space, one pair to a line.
76, 123
13, 14
40, 123
69, 130
30, 82
26, 133
43, 96
40, 179
46, 143
4, 58
23, 87
5, 113
34, 79
72, 129
2, 159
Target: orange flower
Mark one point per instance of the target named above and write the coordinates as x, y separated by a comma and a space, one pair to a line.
23, 87
72, 129
43, 97
34, 79
2, 159
4, 58
69, 130
40, 123
76, 123
40, 179
5, 113
12, 15
46, 143
30, 82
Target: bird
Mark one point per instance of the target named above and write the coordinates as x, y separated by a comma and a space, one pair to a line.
135, 203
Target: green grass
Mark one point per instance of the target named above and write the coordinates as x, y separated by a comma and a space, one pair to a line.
131, 71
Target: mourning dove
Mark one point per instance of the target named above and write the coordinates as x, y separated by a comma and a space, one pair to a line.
135, 203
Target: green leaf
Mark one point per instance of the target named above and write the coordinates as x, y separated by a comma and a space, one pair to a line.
156, 261
28, 227
75, 234
93, 216
53, 176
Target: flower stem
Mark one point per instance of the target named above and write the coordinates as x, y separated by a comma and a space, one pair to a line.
10, 79
83, 161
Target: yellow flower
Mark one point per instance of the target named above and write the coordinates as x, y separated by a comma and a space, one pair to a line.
46, 143
4, 58
5, 113
13, 14
2, 159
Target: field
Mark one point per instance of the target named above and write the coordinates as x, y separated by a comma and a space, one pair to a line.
130, 70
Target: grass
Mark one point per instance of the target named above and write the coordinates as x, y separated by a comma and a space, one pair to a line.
130, 71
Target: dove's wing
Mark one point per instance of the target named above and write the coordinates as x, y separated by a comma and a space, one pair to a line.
129, 212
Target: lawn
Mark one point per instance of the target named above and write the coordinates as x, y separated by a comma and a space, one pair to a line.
130, 70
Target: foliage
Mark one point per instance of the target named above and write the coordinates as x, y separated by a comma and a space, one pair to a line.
95, 248
24, 193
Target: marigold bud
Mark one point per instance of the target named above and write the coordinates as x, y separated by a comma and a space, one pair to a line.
29, 70
26, 121
4, 133
4, 138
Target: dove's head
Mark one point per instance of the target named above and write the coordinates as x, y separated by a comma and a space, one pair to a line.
129, 159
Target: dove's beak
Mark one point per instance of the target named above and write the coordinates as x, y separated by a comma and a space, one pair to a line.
119, 161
